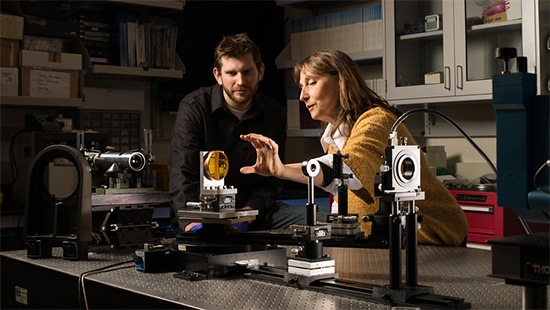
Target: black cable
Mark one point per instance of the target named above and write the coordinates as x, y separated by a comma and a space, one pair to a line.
14, 175
537, 186
453, 123
80, 278
13, 164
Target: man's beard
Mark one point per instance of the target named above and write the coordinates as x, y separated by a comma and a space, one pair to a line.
239, 99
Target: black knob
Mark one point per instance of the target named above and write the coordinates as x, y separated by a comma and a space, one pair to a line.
505, 53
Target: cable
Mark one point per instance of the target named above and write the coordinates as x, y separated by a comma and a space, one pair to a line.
13, 164
14, 175
537, 186
82, 290
453, 123
448, 119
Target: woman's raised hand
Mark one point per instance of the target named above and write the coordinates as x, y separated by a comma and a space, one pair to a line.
268, 162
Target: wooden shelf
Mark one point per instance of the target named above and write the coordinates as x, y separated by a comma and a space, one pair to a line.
135, 71
128, 72
41, 102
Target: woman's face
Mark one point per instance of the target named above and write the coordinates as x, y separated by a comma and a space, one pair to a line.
320, 93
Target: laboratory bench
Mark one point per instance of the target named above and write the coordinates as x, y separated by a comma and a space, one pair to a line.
55, 283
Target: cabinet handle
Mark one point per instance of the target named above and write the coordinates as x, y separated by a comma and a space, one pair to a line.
459, 77
477, 209
447, 78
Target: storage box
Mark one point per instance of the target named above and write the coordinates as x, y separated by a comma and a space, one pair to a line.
41, 43
46, 83
436, 156
51, 60
11, 27
513, 11
495, 18
50, 27
9, 56
433, 78
9, 81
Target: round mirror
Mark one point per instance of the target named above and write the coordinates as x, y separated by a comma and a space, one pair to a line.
216, 165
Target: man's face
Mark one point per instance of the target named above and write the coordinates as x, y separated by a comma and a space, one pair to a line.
239, 78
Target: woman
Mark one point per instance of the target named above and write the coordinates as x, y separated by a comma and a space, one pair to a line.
357, 122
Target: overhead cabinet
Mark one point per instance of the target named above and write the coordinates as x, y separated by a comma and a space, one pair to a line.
438, 50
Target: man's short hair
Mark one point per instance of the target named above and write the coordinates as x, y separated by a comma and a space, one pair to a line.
237, 45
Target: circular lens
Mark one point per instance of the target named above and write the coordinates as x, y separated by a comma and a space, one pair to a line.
216, 165
137, 162
407, 168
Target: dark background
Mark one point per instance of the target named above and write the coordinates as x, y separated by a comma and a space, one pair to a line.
202, 24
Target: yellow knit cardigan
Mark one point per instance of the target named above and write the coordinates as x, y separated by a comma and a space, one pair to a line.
443, 221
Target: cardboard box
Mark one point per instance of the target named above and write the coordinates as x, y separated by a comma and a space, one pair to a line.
9, 56
9, 81
433, 78
49, 83
49, 27
11, 27
513, 11
51, 60
495, 18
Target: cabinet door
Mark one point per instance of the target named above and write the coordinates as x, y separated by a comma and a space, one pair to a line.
419, 61
476, 39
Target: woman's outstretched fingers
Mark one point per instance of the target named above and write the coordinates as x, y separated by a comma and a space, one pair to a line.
254, 139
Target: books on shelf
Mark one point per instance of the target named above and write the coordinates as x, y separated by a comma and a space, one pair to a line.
349, 31
377, 85
95, 32
127, 41
132, 33
151, 45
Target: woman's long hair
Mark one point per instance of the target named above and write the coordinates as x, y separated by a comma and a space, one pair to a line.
355, 96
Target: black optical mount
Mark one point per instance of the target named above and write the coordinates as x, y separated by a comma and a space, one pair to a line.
399, 183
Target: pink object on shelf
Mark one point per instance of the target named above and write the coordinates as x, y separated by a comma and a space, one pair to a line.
497, 8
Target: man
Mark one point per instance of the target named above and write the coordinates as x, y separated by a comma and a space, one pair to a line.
213, 118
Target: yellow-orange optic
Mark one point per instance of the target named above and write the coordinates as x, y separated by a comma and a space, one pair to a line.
216, 165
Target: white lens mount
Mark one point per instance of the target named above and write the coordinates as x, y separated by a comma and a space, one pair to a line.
406, 168
313, 167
